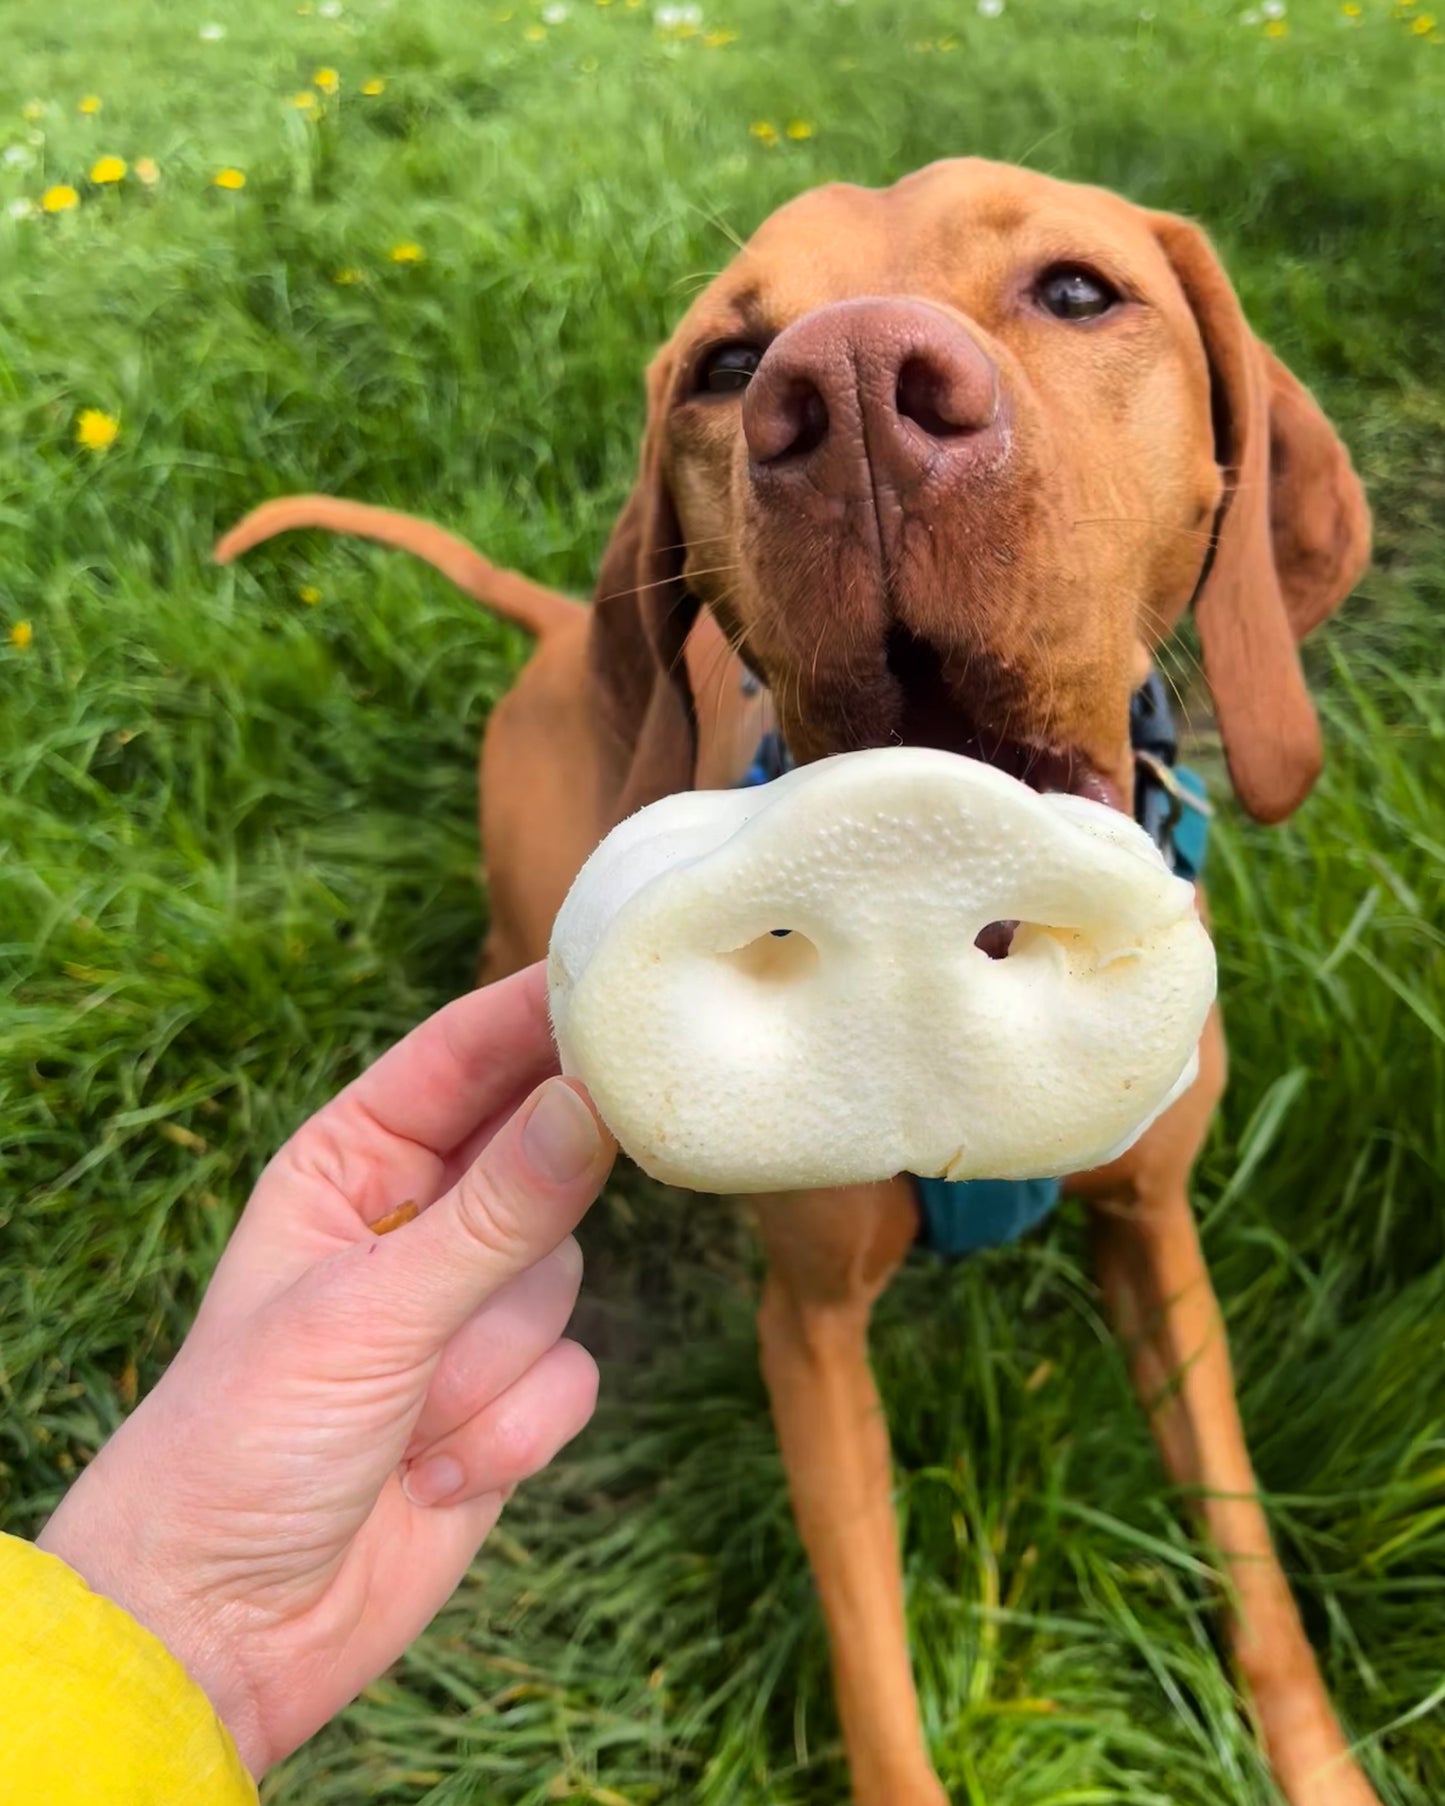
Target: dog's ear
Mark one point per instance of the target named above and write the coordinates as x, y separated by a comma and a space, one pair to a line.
643, 615
1319, 518
1291, 539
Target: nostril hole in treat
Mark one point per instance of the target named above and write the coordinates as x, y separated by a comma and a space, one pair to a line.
1031, 940
996, 939
779, 957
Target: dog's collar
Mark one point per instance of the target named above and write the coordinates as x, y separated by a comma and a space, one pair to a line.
1170, 801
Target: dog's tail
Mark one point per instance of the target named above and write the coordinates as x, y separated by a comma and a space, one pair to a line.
507, 593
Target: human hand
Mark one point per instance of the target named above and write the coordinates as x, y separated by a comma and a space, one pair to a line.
306, 1485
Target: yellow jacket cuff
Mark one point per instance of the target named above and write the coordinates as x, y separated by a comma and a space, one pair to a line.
93, 1708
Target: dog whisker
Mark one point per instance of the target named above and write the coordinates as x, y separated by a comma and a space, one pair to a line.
1171, 652
1208, 535
639, 589
707, 539
722, 658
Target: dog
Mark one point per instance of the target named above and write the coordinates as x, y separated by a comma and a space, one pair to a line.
944, 463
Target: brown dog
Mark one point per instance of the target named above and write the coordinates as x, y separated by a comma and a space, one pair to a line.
945, 463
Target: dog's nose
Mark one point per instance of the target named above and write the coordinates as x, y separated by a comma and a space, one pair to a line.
872, 388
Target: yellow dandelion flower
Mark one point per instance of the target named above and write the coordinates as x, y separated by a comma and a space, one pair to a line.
60, 199
719, 40
33, 110
305, 10
233, 179
348, 277
764, 131
309, 594
90, 105
1352, 10
21, 634
108, 169
304, 102
632, 5
1424, 25
96, 430
604, 2
373, 87
327, 80
534, 34
1277, 28
799, 129
148, 170
408, 251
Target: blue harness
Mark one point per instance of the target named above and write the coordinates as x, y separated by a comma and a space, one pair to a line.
960, 1216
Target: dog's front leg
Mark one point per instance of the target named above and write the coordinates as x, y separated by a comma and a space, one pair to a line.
830, 1255
1159, 1293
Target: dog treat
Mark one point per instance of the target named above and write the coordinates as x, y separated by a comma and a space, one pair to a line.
783, 987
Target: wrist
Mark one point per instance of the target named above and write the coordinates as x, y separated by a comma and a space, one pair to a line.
130, 1571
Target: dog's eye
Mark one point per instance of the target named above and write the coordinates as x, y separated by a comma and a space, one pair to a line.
1073, 294
727, 369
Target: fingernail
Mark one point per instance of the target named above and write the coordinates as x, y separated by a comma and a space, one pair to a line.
560, 1137
433, 1481
568, 1256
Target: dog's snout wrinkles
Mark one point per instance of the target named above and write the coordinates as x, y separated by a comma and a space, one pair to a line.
866, 390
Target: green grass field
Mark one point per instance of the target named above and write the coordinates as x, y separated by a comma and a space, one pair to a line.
238, 849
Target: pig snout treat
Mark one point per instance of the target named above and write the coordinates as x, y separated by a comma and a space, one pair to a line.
797, 985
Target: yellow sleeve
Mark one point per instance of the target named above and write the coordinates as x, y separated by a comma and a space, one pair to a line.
93, 1710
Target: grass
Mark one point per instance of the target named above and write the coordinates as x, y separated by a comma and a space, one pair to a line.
237, 850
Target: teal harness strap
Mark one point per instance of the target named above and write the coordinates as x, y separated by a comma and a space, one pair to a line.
960, 1216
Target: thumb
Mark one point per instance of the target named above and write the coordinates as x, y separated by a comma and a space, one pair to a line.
521, 1197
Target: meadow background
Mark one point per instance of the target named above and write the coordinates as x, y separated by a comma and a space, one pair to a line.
238, 848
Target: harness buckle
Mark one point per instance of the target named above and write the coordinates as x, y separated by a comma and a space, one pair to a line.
1167, 779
